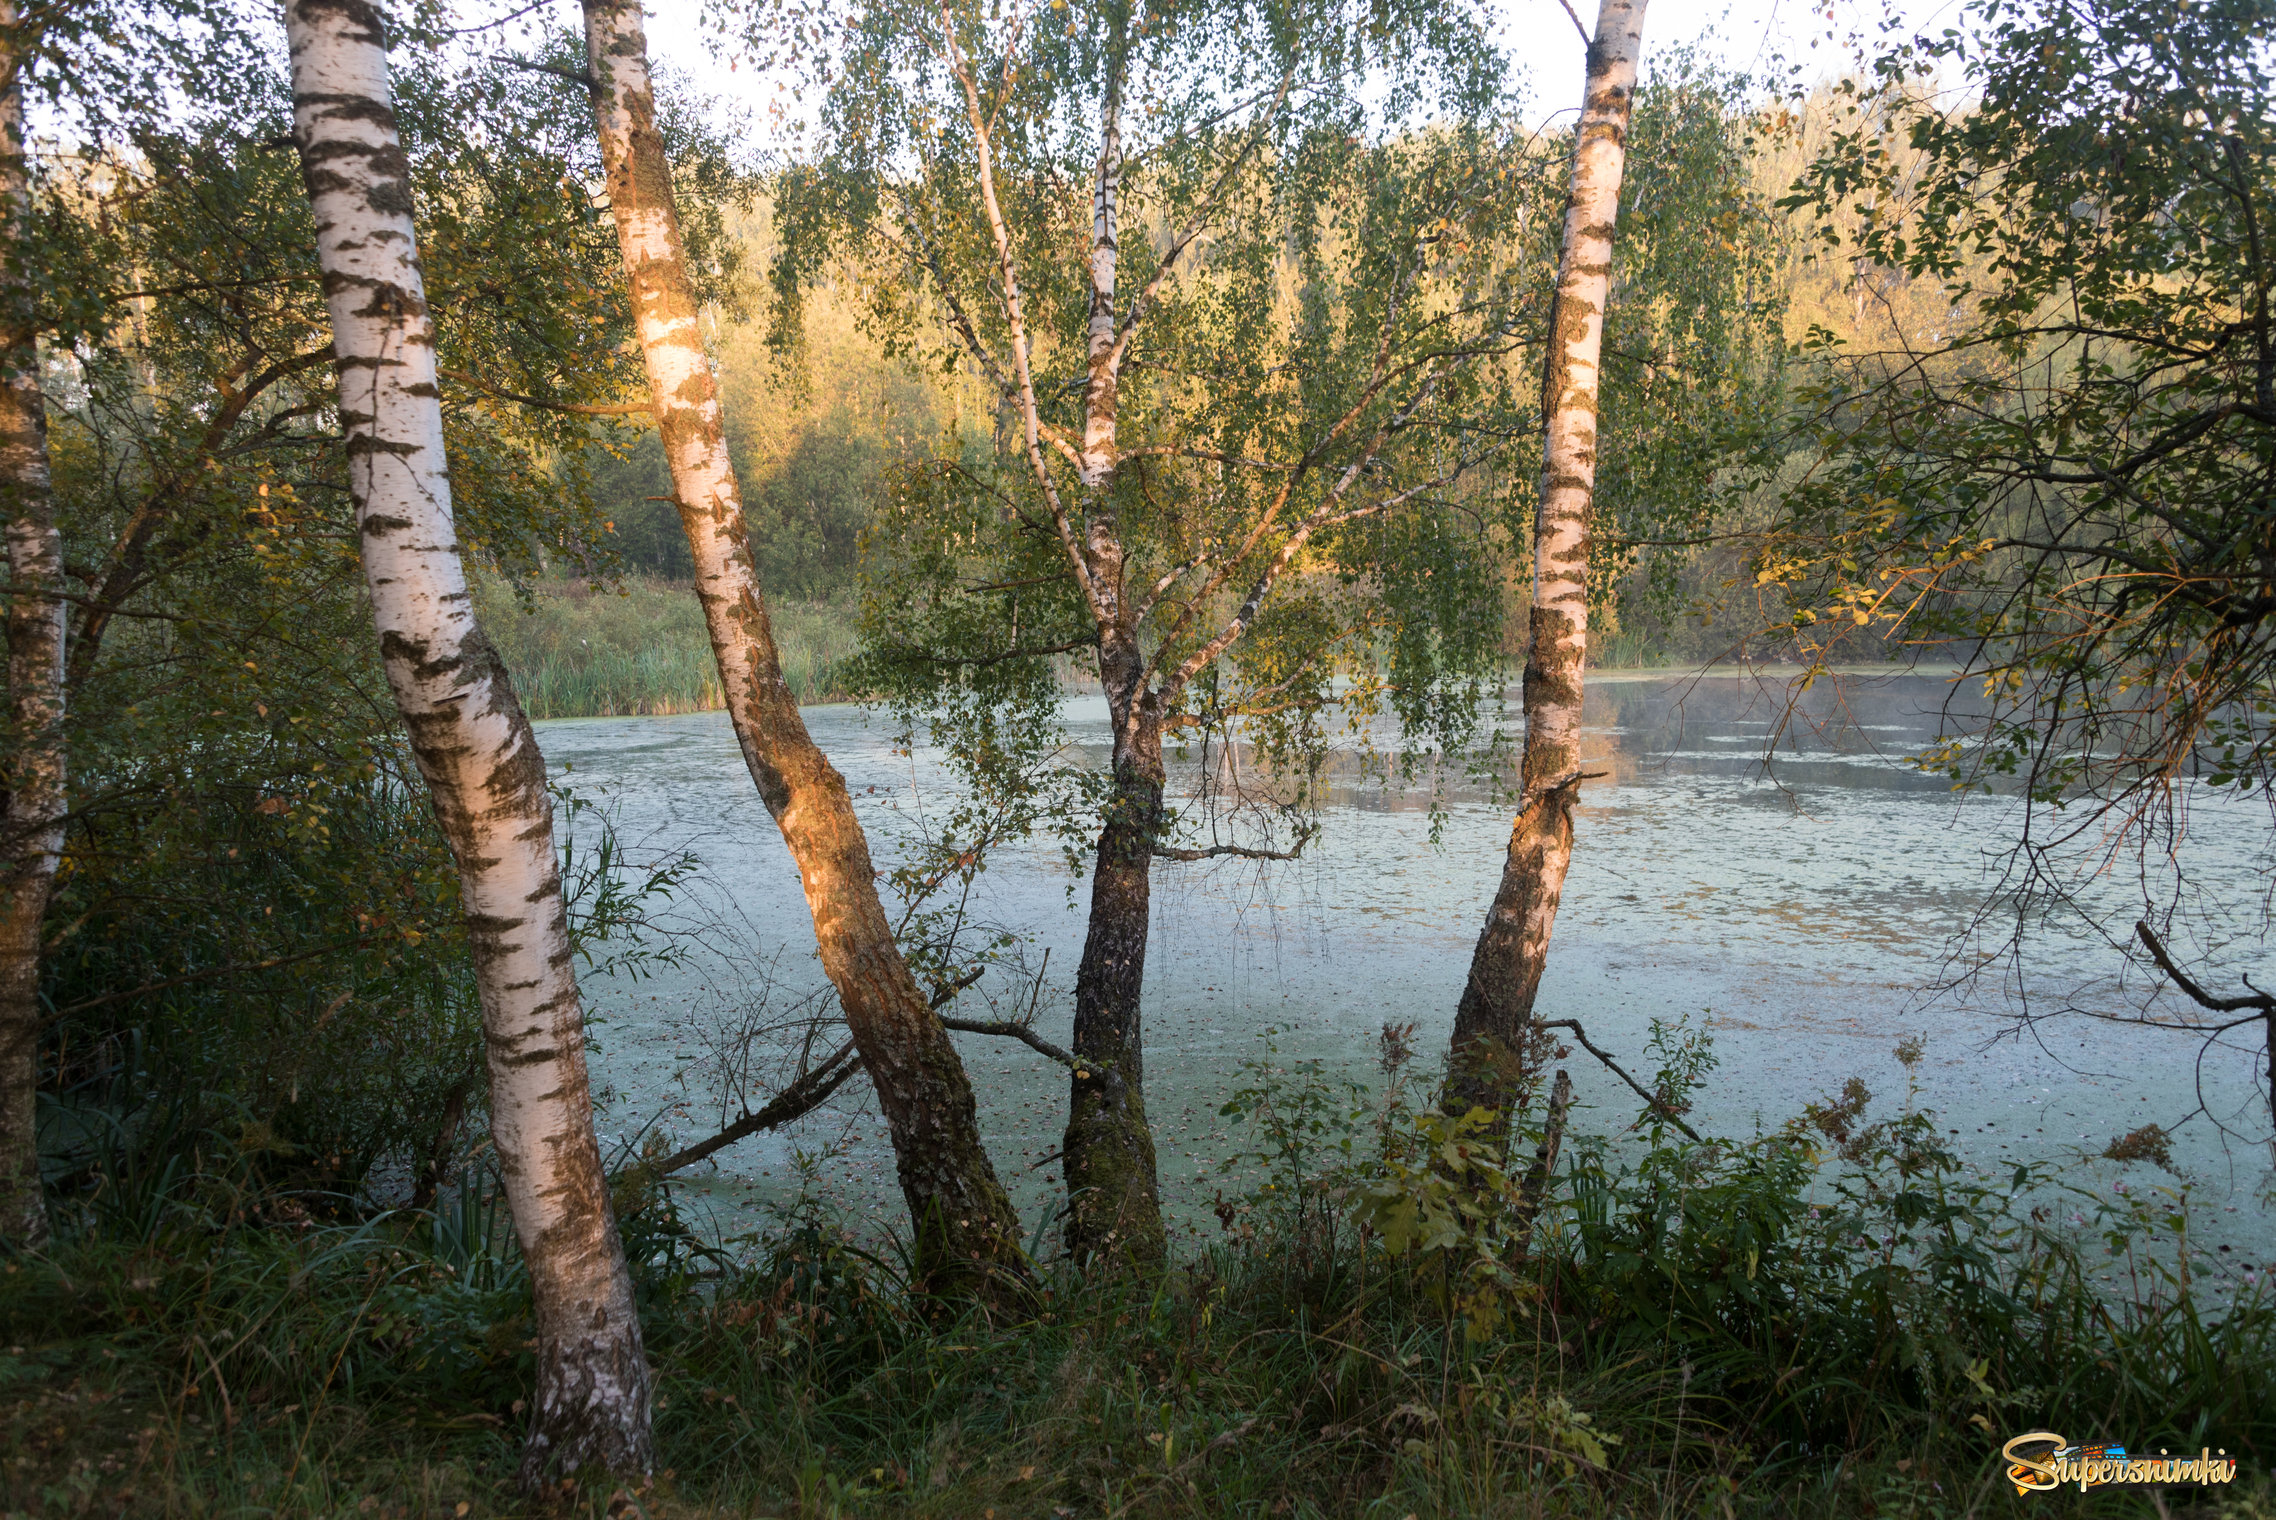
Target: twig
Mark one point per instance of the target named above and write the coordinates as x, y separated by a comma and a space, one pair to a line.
591, 85
573, 408
1658, 1104
1586, 39
946, 992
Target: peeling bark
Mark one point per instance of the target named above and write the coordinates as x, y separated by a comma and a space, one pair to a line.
1496, 1053
486, 778
31, 815
967, 1235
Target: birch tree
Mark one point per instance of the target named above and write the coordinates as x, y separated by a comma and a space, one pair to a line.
36, 798
473, 745
1245, 321
1494, 1046
966, 1232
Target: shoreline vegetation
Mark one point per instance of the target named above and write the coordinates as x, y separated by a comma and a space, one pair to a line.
1833, 1319
636, 647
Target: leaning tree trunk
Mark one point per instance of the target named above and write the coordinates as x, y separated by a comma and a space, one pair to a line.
1114, 1208
1494, 1056
31, 814
474, 746
966, 1232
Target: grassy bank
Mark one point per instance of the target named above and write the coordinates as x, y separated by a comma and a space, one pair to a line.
1831, 1320
577, 652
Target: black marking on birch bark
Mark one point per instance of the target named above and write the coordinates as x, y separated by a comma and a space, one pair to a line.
365, 16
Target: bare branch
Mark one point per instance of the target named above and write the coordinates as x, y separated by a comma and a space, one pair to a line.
2262, 1001
810, 1091
1024, 1033
1244, 852
1657, 1104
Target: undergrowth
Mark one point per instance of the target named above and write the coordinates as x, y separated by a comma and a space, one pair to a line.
1832, 1319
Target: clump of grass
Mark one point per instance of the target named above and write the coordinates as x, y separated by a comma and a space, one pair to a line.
638, 648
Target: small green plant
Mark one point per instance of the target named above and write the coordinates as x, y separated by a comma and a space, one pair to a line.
1445, 1202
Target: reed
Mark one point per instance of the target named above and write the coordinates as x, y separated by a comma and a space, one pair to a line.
638, 648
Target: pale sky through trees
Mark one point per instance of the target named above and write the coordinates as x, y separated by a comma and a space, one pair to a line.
1760, 37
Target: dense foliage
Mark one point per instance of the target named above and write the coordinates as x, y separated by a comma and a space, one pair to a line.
1822, 1321
2048, 452
256, 927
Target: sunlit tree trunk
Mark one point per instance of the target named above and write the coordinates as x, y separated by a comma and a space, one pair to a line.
966, 1232
474, 746
31, 817
1494, 1057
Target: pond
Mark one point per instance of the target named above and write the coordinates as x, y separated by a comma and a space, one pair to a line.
1811, 912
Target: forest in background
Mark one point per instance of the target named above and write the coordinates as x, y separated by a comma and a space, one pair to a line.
818, 430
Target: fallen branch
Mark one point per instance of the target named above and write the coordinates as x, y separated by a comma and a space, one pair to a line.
1657, 1104
1536, 1180
809, 1092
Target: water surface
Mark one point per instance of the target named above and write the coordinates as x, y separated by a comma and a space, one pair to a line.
1812, 912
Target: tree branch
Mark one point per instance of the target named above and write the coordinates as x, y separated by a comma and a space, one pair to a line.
574, 409
809, 1092
1657, 1104
1023, 1033
1245, 852
577, 77
2261, 1001
1015, 318
1088, 641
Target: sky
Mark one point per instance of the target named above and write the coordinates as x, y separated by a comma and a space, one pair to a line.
1758, 37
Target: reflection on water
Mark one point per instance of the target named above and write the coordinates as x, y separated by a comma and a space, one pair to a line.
1811, 910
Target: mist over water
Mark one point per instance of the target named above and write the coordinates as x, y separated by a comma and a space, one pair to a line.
1811, 911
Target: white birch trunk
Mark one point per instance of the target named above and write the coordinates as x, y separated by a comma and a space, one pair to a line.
31, 822
1494, 1054
967, 1235
474, 746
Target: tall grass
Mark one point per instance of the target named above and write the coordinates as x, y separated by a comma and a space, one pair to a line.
639, 649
